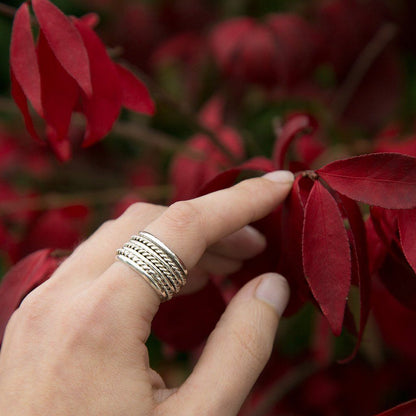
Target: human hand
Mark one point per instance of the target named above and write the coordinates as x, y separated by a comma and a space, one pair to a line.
76, 345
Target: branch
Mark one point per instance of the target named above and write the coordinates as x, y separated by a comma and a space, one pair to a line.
132, 131
143, 134
283, 386
7, 11
91, 198
361, 66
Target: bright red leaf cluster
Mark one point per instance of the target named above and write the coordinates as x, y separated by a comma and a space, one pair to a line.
67, 71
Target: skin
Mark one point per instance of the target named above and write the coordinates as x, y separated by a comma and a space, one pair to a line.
76, 345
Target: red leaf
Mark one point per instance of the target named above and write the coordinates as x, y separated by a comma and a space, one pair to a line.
21, 279
190, 175
90, 19
407, 228
60, 92
212, 114
281, 50
23, 60
21, 101
227, 178
358, 241
62, 148
297, 46
404, 409
326, 255
103, 108
387, 180
295, 126
135, 94
291, 245
58, 229
65, 42
308, 148
173, 323
226, 37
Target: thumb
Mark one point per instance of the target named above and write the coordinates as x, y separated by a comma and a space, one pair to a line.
237, 350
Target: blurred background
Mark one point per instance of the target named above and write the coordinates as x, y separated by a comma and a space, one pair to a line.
224, 76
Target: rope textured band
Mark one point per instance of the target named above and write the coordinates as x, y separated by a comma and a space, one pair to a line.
162, 269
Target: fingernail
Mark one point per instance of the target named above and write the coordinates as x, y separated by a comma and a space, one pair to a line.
281, 176
274, 290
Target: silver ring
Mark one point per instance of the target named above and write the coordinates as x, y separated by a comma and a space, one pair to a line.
160, 267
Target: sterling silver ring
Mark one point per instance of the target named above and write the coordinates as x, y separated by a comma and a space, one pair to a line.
156, 263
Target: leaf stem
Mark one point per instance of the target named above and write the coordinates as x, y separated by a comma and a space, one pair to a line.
311, 174
144, 134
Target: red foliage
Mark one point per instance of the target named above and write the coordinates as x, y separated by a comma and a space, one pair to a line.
21, 279
384, 179
70, 71
189, 174
280, 51
404, 409
323, 239
61, 229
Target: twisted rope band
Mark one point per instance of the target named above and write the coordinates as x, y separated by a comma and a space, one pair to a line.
155, 262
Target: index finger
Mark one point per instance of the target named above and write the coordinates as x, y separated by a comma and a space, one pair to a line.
189, 227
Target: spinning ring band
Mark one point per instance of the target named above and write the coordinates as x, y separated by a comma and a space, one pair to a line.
156, 263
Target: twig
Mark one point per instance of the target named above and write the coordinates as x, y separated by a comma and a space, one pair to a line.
92, 198
10, 11
141, 133
6, 10
130, 130
283, 386
361, 66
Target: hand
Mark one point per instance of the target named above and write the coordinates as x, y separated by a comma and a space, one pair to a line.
76, 345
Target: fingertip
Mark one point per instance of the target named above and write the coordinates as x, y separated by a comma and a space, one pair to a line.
280, 176
273, 289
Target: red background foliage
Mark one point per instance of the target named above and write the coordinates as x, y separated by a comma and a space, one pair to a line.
325, 88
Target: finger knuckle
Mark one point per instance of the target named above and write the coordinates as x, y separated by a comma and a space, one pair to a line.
34, 306
183, 215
